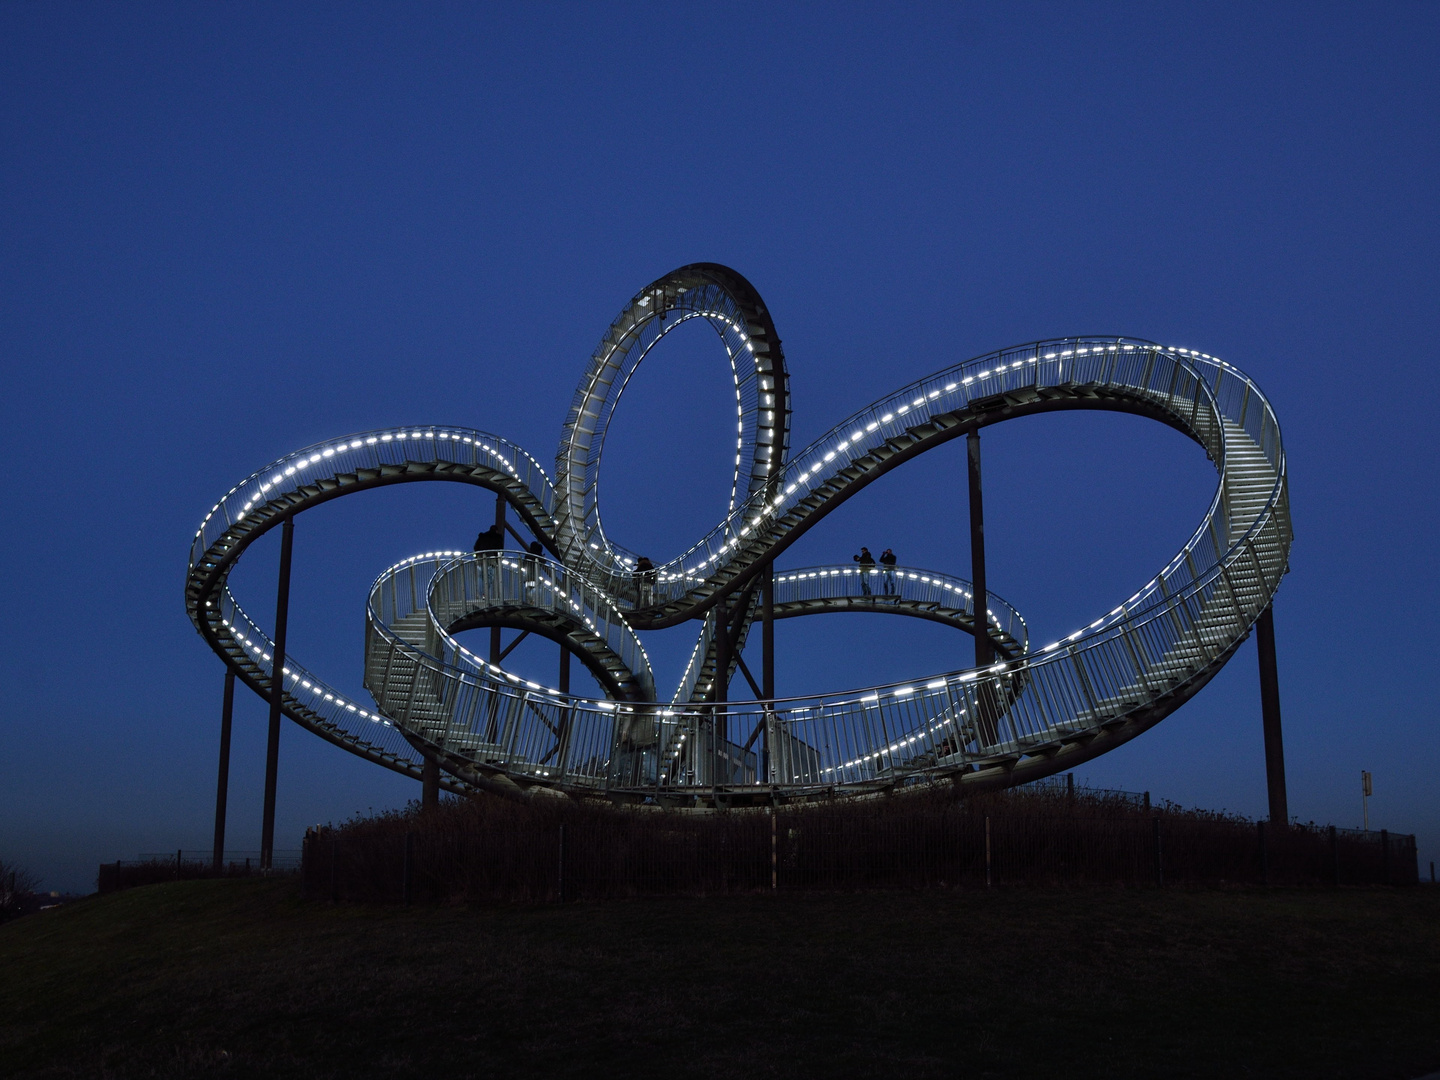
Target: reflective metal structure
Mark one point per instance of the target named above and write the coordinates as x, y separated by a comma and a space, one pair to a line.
1032, 712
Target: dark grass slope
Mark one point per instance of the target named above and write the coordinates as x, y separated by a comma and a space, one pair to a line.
486, 849
241, 978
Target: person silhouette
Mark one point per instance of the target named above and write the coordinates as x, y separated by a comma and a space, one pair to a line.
867, 567
646, 576
887, 560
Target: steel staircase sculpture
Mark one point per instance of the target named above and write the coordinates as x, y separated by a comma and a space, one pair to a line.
1031, 713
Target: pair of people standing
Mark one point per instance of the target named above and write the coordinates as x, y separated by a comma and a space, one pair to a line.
867, 568
493, 539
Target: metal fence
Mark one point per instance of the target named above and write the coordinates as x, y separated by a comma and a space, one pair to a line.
1052, 837
180, 865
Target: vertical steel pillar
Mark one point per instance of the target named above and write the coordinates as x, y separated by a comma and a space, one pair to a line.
767, 670
429, 783
562, 738
1270, 719
499, 528
984, 652
987, 705
277, 694
721, 727
222, 785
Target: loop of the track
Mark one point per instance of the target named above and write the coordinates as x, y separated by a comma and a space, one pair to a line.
1027, 716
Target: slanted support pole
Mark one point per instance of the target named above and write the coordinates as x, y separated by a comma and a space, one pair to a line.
277, 695
984, 652
499, 528
1270, 719
222, 785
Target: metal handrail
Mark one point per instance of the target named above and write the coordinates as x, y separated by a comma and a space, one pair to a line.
1040, 365
1112, 668
428, 444
1020, 717
911, 582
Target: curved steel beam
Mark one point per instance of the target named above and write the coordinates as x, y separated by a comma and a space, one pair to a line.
1017, 719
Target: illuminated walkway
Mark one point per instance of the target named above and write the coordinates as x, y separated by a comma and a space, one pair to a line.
1033, 712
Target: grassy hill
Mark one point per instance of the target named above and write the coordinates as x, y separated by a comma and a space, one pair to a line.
241, 978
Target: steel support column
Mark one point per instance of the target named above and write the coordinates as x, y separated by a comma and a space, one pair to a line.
984, 652
721, 691
767, 665
222, 784
499, 528
1270, 718
429, 783
277, 695
987, 703
562, 737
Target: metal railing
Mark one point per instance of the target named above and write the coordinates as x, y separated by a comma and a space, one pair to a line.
1169, 634
1180, 383
907, 584
283, 483
1130, 666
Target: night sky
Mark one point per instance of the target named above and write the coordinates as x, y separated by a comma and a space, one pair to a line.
229, 231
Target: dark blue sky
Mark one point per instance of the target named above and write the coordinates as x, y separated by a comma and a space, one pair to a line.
228, 231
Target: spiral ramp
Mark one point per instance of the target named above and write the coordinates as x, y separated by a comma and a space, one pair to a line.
1032, 713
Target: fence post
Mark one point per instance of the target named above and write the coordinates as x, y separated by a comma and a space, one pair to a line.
1385, 856
987, 851
1334, 858
774, 867
1264, 854
560, 868
1159, 859
409, 867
